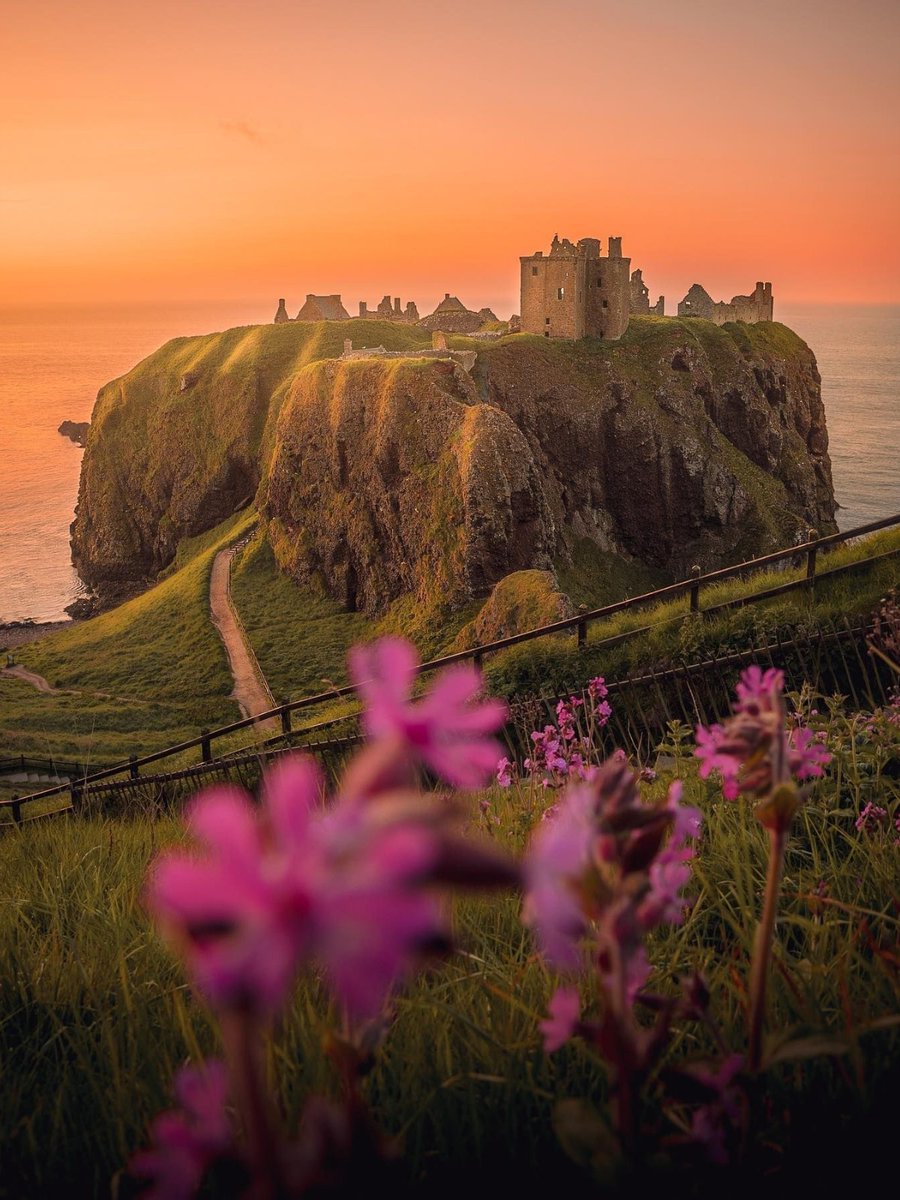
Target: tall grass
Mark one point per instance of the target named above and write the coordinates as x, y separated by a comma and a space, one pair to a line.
95, 1015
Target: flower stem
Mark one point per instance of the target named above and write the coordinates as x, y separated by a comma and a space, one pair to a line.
243, 1049
762, 946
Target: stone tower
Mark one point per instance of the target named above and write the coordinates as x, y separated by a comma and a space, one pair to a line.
575, 291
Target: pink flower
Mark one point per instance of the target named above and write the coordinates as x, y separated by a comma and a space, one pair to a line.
188, 1139
806, 753
759, 691
558, 856
752, 750
713, 1123
561, 1022
445, 729
239, 911
504, 773
871, 817
293, 883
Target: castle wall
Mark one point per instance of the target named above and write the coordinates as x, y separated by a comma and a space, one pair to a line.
608, 296
573, 292
553, 296
758, 306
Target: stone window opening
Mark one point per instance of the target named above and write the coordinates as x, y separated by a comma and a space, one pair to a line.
534, 270
599, 281
606, 304
561, 293
546, 320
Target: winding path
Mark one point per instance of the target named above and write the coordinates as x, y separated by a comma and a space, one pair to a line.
250, 688
36, 681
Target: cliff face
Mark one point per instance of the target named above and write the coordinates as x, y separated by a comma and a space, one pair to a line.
681, 443
391, 477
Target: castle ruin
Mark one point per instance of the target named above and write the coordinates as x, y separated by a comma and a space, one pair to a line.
640, 298
576, 292
452, 316
572, 292
386, 311
756, 307
322, 308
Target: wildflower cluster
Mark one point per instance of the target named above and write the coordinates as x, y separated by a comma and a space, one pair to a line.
188, 1139
608, 868
346, 886
752, 751
561, 752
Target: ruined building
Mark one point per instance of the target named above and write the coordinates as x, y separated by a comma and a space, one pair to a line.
390, 312
452, 316
322, 308
640, 298
575, 292
753, 308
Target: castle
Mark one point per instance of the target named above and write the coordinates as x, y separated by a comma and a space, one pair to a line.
576, 292
572, 292
755, 307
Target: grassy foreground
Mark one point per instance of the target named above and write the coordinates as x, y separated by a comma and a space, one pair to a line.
95, 1015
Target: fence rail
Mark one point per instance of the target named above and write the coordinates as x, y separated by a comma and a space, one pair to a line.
691, 587
643, 707
27, 762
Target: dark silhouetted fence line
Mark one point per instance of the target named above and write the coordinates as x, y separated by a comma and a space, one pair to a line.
691, 587
834, 662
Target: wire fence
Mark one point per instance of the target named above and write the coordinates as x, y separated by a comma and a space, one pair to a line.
832, 660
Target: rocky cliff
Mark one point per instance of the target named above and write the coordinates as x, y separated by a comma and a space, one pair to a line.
681, 443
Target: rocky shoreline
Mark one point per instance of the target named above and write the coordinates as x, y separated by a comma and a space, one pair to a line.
21, 633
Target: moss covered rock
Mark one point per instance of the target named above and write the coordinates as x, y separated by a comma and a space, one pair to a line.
523, 600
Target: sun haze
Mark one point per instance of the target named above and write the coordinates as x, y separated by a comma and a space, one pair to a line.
219, 150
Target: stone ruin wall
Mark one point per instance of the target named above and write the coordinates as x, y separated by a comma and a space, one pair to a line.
758, 306
386, 311
640, 298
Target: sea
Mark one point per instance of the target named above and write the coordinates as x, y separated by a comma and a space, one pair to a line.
54, 359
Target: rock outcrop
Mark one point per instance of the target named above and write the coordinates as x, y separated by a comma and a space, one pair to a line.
681, 443
75, 431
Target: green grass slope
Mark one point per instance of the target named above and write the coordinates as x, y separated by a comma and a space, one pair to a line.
145, 675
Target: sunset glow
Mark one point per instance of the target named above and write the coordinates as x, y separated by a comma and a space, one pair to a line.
227, 151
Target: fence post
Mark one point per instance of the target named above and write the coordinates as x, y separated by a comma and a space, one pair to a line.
811, 535
132, 766
695, 589
17, 810
477, 658
77, 796
286, 719
205, 746
582, 628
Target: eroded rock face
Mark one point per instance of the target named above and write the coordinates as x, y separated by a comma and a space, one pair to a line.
390, 478
683, 442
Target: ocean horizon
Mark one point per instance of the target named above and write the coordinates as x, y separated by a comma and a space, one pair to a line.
55, 358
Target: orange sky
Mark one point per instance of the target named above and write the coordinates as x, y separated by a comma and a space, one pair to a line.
226, 150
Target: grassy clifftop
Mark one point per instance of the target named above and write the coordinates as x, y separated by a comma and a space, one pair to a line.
683, 441
178, 443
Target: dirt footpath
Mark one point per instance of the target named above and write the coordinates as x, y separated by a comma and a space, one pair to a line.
36, 681
249, 691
